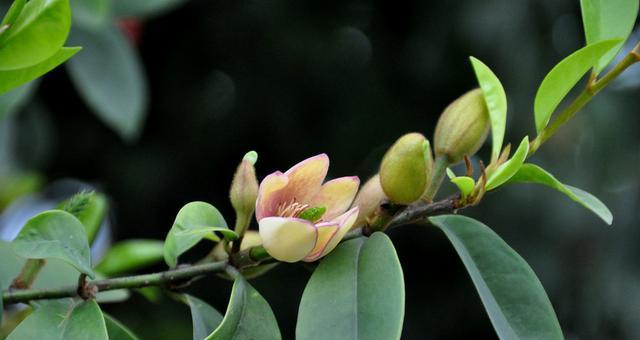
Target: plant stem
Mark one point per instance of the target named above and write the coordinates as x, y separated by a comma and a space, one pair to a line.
593, 87
28, 274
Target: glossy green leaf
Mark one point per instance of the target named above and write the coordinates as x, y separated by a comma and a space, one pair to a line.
55, 234
193, 216
38, 32
130, 255
10, 79
465, 185
108, 74
357, 292
512, 295
608, 19
116, 330
85, 322
205, 318
93, 14
13, 13
14, 100
143, 8
509, 168
564, 76
531, 173
248, 316
496, 100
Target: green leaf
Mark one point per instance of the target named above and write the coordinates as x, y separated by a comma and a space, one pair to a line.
13, 13
10, 79
189, 228
564, 76
465, 185
93, 14
531, 173
14, 100
130, 255
38, 32
205, 318
505, 171
55, 234
496, 100
357, 292
608, 19
248, 316
109, 76
116, 330
512, 295
143, 8
85, 322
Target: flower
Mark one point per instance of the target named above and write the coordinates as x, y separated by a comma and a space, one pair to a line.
299, 217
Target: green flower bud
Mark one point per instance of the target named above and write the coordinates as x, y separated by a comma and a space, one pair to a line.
244, 192
251, 239
368, 200
462, 127
405, 169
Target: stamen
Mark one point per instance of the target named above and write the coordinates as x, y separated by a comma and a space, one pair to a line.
291, 209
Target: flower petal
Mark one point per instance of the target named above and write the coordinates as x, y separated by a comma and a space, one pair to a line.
345, 221
326, 232
336, 195
287, 239
268, 194
305, 179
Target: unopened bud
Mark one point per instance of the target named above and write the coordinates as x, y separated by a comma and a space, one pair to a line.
462, 127
405, 169
368, 200
251, 239
244, 191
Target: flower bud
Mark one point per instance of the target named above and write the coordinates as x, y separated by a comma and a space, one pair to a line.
368, 200
462, 127
405, 169
244, 191
251, 239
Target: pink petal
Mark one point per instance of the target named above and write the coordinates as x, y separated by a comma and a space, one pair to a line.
305, 179
336, 195
269, 194
345, 221
326, 232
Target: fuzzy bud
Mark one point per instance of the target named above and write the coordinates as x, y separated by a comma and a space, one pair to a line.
405, 169
462, 128
244, 191
368, 200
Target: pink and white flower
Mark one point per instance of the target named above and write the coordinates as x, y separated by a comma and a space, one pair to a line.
283, 198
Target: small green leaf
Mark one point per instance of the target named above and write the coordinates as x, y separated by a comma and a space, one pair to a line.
205, 318
190, 227
10, 79
110, 78
37, 33
116, 330
248, 316
55, 234
564, 76
130, 255
465, 185
13, 13
510, 167
85, 322
608, 19
357, 292
143, 8
92, 14
496, 100
512, 295
531, 173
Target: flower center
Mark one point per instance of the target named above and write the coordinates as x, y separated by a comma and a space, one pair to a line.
299, 210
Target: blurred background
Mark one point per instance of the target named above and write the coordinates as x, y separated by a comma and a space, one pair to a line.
168, 95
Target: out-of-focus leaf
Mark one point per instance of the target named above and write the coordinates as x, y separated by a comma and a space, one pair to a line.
85, 322
55, 234
93, 14
193, 216
564, 76
109, 76
130, 255
248, 316
45, 322
88, 207
608, 19
357, 292
512, 295
116, 330
18, 184
37, 33
510, 167
205, 318
496, 100
531, 173
14, 100
143, 8
10, 79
